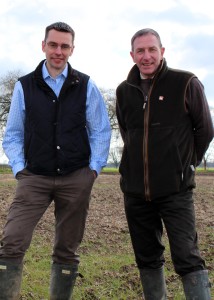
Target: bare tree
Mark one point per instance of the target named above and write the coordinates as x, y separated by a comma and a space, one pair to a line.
115, 156
115, 152
7, 83
209, 156
110, 101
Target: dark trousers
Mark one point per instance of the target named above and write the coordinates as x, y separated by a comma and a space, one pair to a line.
145, 220
34, 194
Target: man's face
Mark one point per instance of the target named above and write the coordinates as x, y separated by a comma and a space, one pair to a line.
57, 48
147, 54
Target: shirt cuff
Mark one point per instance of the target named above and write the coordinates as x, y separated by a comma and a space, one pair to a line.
17, 168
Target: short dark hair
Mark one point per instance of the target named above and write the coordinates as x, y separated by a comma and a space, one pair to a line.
59, 26
145, 31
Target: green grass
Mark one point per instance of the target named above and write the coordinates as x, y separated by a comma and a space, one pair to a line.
201, 170
107, 263
106, 274
36, 272
198, 170
109, 270
110, 170
5, 170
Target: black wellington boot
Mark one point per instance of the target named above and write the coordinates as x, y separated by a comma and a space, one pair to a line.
10, 280
63, 279
197, 286
153, 282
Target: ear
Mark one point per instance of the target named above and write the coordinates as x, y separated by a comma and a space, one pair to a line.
43, 46
132, 55
72, 50
162, 51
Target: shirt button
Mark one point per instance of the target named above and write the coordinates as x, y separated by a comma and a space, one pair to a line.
58, 170
58, 147
54, 101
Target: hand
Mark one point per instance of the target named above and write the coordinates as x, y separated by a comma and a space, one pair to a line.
95, 173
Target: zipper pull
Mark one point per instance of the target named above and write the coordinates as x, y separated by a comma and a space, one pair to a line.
144, 104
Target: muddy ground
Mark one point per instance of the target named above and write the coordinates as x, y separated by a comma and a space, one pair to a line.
106, 220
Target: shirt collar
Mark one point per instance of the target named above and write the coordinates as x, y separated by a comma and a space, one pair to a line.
143, 77
46, 74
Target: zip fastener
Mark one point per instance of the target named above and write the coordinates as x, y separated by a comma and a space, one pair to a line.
145, 144
145, 149
145, 102
145, 140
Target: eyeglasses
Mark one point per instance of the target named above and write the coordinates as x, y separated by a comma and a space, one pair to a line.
54, 46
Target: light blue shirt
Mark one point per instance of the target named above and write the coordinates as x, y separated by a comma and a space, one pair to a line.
97, 124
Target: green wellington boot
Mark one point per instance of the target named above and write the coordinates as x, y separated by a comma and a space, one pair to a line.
63, 279
153, 282
197, 286
10, 280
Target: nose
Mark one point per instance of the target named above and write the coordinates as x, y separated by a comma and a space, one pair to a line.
58, 49
146, 54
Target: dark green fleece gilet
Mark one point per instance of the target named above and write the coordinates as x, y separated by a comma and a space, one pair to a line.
158, 156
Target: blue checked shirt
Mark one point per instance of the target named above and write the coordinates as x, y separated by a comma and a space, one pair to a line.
98, 125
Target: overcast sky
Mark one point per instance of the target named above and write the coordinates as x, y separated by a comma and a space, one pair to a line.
103, 32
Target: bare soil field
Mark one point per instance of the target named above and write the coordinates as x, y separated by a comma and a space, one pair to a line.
106, 220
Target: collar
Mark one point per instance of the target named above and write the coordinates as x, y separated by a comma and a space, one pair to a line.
143, 77
46, 74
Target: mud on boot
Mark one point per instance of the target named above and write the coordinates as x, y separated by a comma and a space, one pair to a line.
10, 280
63, 279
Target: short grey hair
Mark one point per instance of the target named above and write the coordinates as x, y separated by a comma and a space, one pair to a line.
142, 32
